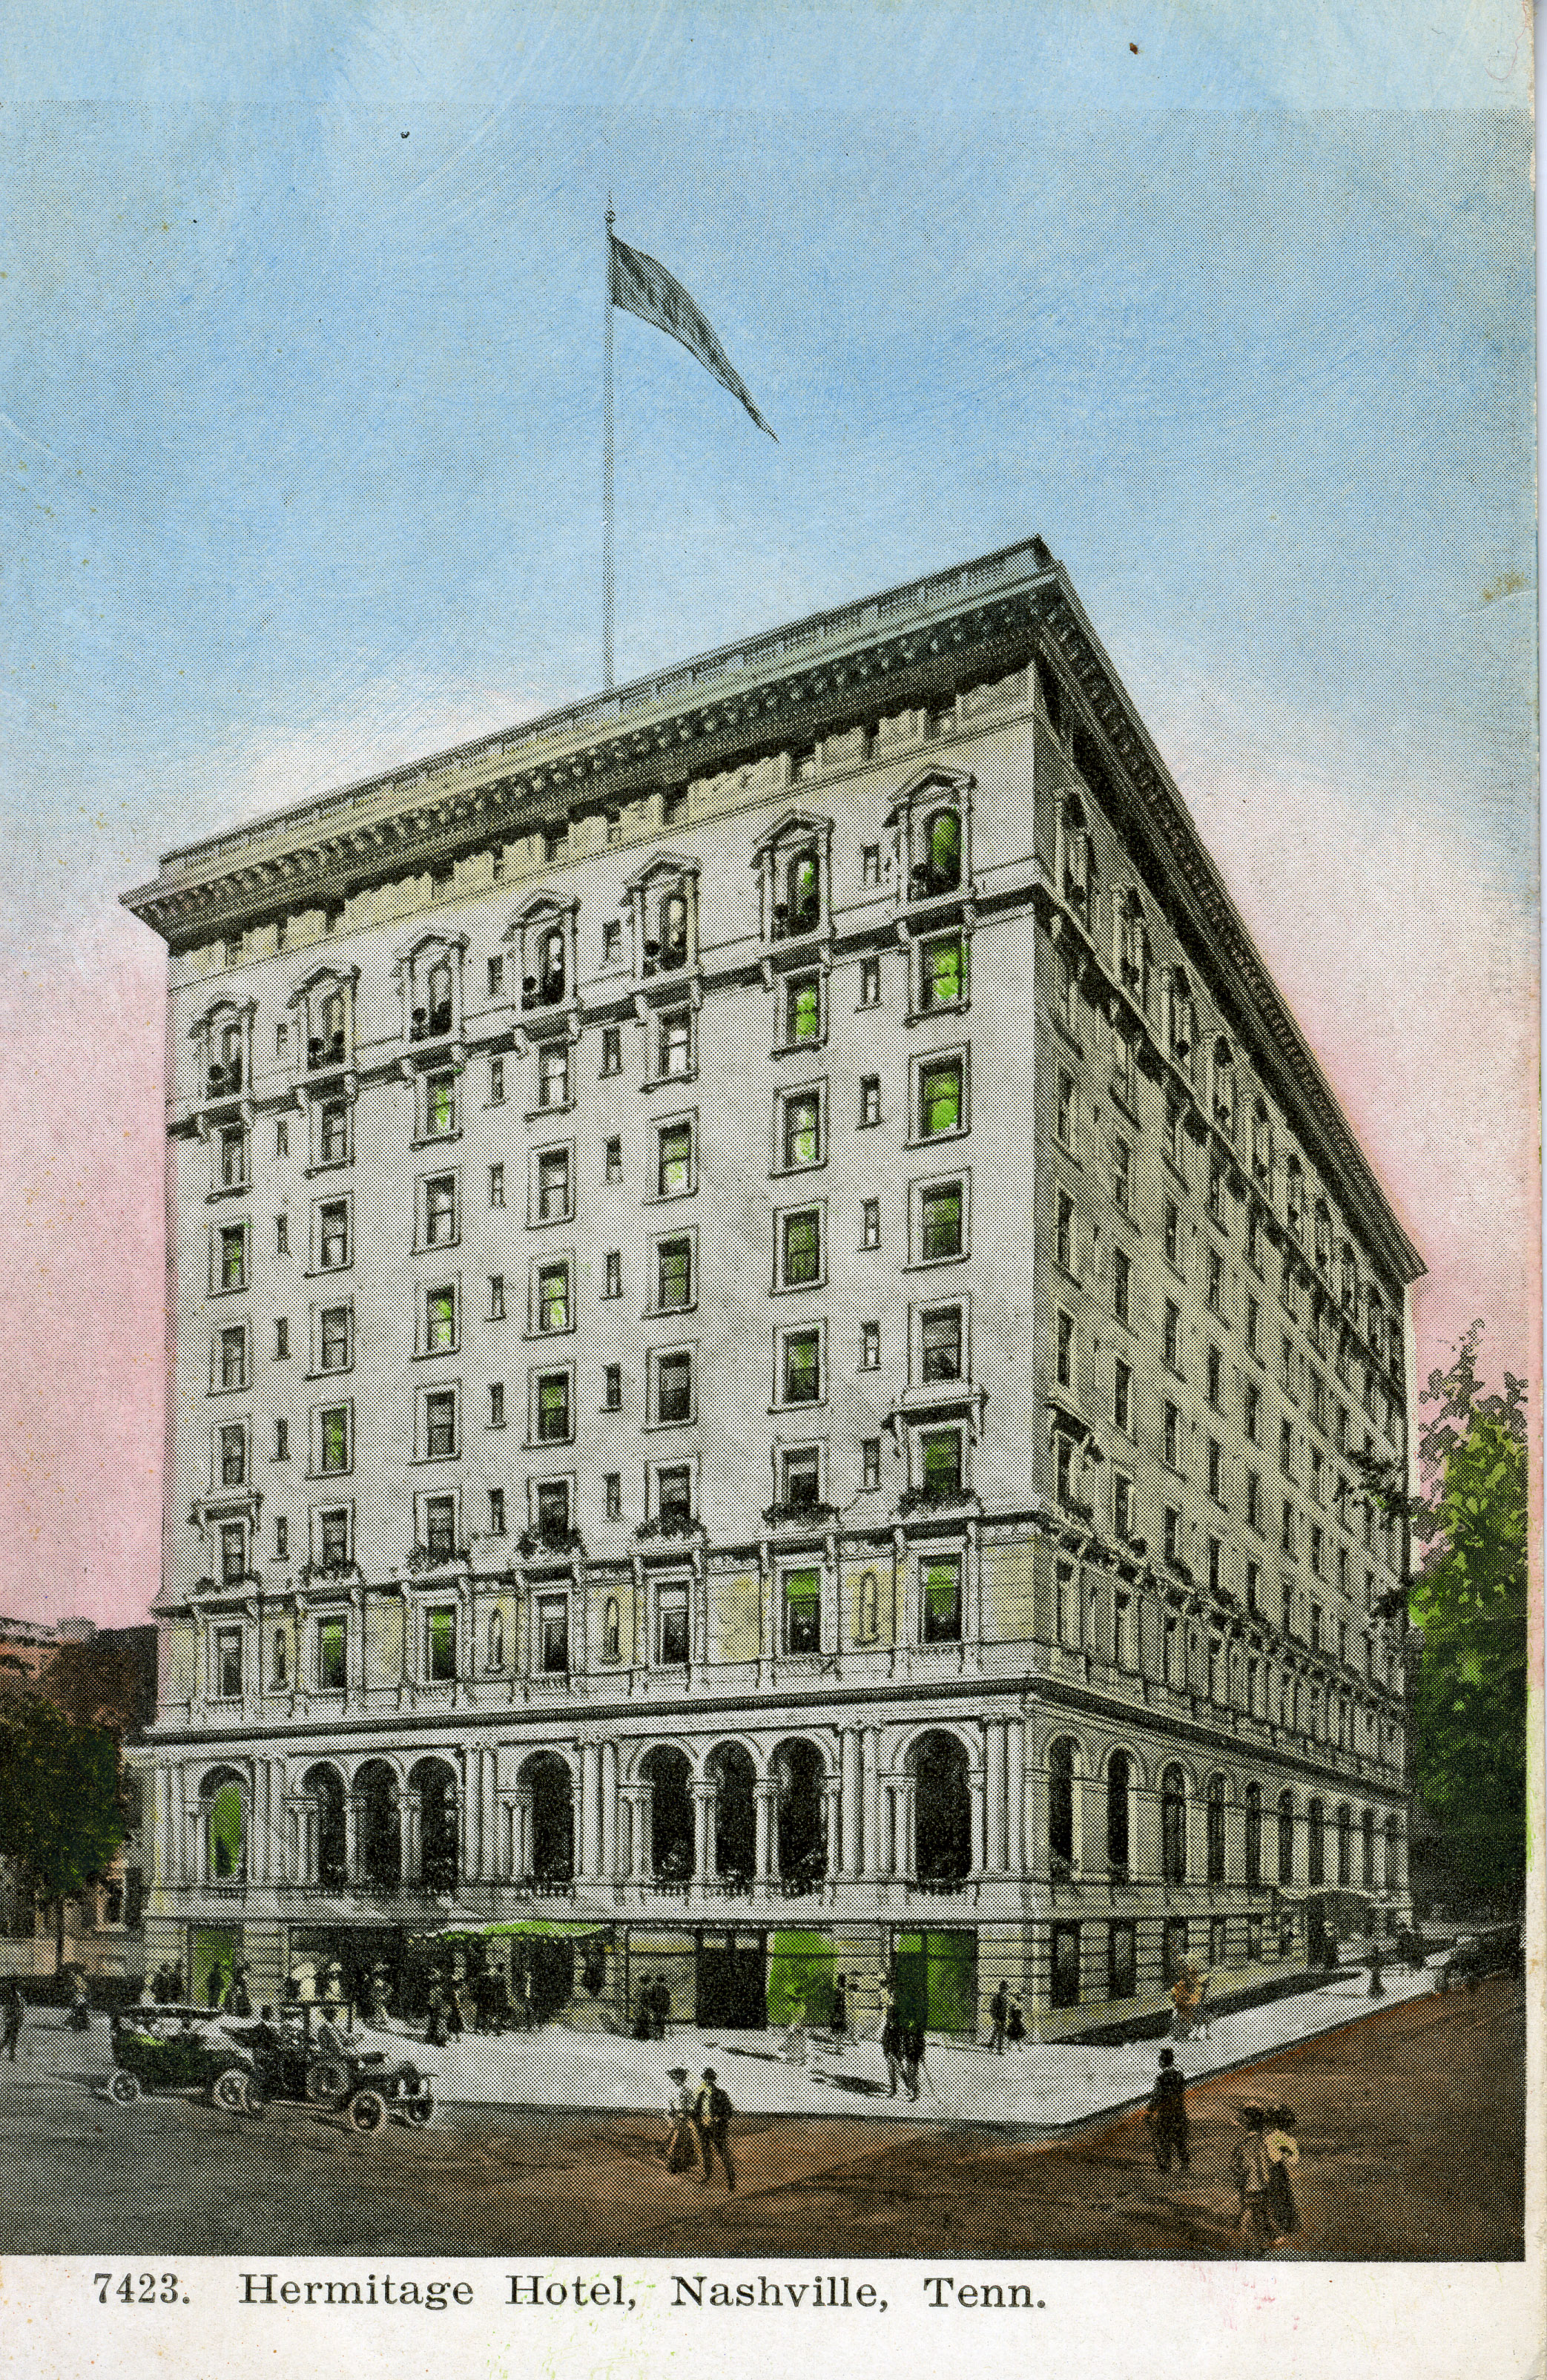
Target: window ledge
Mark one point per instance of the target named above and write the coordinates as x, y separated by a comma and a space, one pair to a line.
339, 1372
794, 1288
228, 1190
689, 1422
419, 1356
534, 1223
436, 1140
328, 1165
546, 1338
942, 1008
331, 1272
541, 1114
666, 1082
929, 1264
418, 1460
814, 1404
667, 1198
942, 1139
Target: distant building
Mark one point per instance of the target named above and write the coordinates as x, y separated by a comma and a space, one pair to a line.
773, 1319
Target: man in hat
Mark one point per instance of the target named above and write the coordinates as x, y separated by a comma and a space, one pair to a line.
711, 2115
681, 2137
1166, 2115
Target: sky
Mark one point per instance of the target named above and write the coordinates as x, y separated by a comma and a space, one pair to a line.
300, 435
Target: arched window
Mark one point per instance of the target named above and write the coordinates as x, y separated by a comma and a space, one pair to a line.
941, 869
1315, 1843
1215, 1821
1294, 1194
1367, 1871
438, 994
1254, 1835
1180, 1027
674, 930
1344, 1844
1132, 948
325, 1047
803, 891
1285, 1837
870, 1596
1225, 1089
496, 1640
1262, 1142
1391, 1833
1119, 1773
1324, 1237
1060, 1801
1173, 1826
551, 972
610, 1630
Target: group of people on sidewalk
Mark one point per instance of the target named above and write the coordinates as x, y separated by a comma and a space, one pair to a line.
698, 2126
1261, 2160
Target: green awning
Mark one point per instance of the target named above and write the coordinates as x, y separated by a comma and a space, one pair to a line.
553, 1929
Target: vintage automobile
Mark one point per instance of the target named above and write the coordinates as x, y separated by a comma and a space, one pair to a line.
312, 2057
171, 2047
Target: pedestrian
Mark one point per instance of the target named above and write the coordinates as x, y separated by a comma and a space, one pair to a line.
912, 2056
80, 2014
681, 2138
792, 2047
645, 2014
711, 2116
660, 2007
998, 2018
13, 2007
1283, 2151
215, 1990
1016, 2029
840, 2006
1377, 1989
891, 2046
1250, 2172
435, 2011
1166, 2115
1186, 1993
239, 1999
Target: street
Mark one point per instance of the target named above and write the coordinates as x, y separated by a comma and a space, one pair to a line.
1410, 2128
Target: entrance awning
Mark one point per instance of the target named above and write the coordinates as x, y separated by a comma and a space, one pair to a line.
578, 1928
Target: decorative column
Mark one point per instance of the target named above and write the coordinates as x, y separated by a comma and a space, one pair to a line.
870, 1848
609, 1811
703, 1798
849, 1758
199, 1826
353, 1813
832, 1824
160, 1828
590, 1808
766, 1801
638, 1800
978, 1803
993, 1858
904, 1795
521, 1836
1015, 1796
409, 1839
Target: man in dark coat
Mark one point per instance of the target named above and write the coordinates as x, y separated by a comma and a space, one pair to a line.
891, 2046
999, 2017
711, 2118
1165, 2113
661, 2007
912, 2056
13, 2007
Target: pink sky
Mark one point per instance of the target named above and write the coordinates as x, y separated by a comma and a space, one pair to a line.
1411, 974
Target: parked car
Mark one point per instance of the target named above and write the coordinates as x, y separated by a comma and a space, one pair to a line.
1472, 1956
310, 2056
171, 2048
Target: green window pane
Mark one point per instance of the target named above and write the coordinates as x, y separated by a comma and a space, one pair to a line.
801, 1249
941, 1088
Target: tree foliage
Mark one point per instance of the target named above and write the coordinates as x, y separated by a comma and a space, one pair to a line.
61, 1809
1471, 1527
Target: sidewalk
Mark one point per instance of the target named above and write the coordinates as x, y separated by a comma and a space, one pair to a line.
1045, 2087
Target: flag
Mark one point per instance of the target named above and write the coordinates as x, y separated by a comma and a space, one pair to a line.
640, 287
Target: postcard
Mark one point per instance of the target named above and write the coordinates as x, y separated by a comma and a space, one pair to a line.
772, 1188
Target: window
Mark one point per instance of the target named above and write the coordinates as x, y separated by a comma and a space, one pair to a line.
1063, 1231
1217, 1460
800, 1248
440, 1212
1287, 1364
554, 839
334, 1336
233, 1467
553, 1408
674, 1492
1214, 1845
940, 870
282, 1439
1214, 1376
233, 1157
1286, 1837
1318, 1548
943, 972
496, 973
1171, 1336
554, 1075
800, 1486
1216, 1292
801, 910
554, 1634
801, 1367
1122, 1395
673, 1387
440, 1629
1254, 1500
802, 1135
870, 1101
330, 1643
870, 983
802, 1612
1286, 1532
1253, 1326
870, 1459
282, 1139
233, 1258
940, 1339
612, 1500
1123, 1506
941, 1220
613, 1159
282, 1553
612, 1049
440, 1105
496, 1185
674, 1161
611, 942
1171, 1544
1122, 1175
1287, 1448
1217, 1190
496, 1404
1172, 1232
1251, 1404
1063, 989
553, 1297
440, 1320
1064, 1121
1173, 1826
941, 1601
941, 1104
676, 1042
1170, 1436
870, 1347
1121, 1284
803, 1008
941, 1452
553, 1185
870, 863
671, 1626
440, 1423
282, 1338
551, 1507
332, 1235
440, 1527
233, 1357
870, 1224
1172, 1138
673, 1274
1064, 1351
614, 827
496, 1298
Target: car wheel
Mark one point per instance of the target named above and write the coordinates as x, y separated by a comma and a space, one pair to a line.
421, 2106
226, 2090
368, 2111
123, 2087
328, 2078
254, 2099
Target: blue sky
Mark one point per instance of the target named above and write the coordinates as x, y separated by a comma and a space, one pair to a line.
300, 433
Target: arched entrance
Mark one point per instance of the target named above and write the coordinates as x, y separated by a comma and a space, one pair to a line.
380, 1838
669, 1775
436, 1786
551, 1839
325, 1787
942, 1810
730, 1771
223, 1795
798, 1772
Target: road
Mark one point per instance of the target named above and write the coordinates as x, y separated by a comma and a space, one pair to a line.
1411, 2125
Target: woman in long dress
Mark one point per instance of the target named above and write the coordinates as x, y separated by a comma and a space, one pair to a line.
1283, 2153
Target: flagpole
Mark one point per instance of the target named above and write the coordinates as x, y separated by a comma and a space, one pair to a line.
607, 470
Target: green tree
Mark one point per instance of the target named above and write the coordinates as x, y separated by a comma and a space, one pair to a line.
1470, 1524
62, 1808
